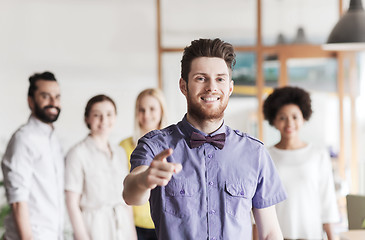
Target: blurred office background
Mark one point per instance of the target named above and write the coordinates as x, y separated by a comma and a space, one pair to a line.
120, 47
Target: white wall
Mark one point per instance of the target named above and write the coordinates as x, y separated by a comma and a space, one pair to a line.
101, 46
91, 46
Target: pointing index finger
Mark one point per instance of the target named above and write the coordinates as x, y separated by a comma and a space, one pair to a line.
164, 154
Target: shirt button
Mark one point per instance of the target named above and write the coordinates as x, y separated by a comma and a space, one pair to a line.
213, 238
242, 193
182, 191
211, 183
212, 211
209, 155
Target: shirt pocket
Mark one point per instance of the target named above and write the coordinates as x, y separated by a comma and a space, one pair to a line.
181, 197
238, 196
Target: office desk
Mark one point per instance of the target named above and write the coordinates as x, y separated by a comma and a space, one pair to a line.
353, 235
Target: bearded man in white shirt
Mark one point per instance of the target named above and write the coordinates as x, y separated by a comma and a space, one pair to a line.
33, 168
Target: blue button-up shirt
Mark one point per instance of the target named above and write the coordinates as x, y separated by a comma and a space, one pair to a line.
211, 198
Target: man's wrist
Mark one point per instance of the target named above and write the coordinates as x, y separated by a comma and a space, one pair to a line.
141, 181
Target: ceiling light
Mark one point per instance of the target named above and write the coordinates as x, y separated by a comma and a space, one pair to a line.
349, 32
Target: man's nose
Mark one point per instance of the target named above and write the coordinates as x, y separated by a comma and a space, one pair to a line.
211, 86
54, 101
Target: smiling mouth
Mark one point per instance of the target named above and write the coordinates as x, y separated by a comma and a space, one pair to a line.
52, 110
210, 99
289, 130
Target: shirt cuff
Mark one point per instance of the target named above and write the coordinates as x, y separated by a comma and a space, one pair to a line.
270, 202
13, 198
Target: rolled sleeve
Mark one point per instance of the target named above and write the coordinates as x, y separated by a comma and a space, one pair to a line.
270, 190
143, 153
74, 174
17, 166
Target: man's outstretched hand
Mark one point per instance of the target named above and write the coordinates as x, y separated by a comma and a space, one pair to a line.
160, 171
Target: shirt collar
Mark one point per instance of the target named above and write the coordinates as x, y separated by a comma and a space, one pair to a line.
43, 127
92, 144
188, 129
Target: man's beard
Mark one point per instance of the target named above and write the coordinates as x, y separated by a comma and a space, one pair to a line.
42, 114
200, 113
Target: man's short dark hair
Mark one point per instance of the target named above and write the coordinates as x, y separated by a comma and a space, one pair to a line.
287, 95
48, 76
207, 48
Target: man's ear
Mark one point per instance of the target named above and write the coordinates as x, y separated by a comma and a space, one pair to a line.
183, 87
31, 102
231, 87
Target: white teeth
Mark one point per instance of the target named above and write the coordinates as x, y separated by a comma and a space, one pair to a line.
52, 110
211, 99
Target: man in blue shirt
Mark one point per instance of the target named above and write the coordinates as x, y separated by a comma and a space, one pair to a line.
203, 178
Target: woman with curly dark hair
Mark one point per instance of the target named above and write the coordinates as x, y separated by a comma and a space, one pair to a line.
305, 169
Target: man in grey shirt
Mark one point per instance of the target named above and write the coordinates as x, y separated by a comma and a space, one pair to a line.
33, 167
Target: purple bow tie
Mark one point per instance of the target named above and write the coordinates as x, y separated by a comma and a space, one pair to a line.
217, 140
